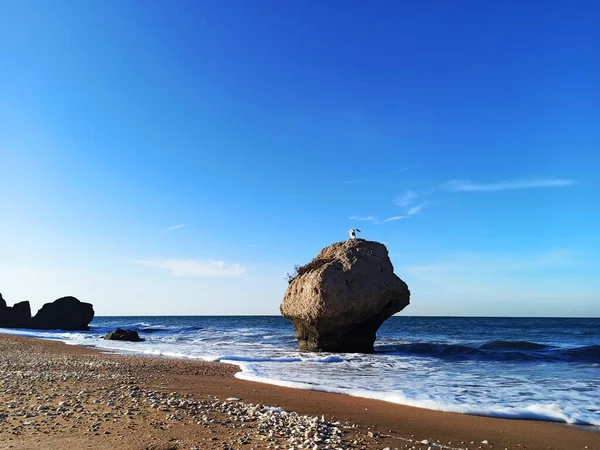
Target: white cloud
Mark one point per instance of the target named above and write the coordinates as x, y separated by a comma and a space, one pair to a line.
469, 186
391, 219
196, 268
173, 228
406, 198
416, 209
364, 218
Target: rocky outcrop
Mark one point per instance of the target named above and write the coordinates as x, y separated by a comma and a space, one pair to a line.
123, 335
17, 316
66, 313
20, 315
339, 300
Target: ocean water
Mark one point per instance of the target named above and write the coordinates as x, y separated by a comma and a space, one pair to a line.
544, 369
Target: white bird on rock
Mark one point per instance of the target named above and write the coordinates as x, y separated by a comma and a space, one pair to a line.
352, 232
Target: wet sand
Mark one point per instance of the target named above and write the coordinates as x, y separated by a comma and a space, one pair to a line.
55, 396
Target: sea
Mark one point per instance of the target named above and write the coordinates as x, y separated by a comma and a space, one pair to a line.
520, 368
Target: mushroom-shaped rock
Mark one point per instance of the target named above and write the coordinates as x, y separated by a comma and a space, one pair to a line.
66, 313
123, 335
338, 301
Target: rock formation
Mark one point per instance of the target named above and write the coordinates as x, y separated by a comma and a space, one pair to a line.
339, 300
20, 314
17, 316
123, 335
66, 313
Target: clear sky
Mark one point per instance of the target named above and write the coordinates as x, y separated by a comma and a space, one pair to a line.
180, 157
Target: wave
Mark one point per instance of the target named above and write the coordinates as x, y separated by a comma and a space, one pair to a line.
143, 327
519, 369
519, 351
514, 345
535, 411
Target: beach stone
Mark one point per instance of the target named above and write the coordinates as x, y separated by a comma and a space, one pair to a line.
338, 301
66, 313
123, 335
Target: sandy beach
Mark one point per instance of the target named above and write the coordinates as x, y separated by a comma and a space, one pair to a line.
55, 395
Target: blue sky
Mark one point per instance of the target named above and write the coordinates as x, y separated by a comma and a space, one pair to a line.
180, 158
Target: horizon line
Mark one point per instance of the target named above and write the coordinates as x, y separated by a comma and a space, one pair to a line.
407, 316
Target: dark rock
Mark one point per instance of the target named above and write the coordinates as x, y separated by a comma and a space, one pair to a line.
66, 313
339, 300
123, 335
21, 315
17, 316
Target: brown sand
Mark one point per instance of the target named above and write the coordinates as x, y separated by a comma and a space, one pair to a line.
56, 396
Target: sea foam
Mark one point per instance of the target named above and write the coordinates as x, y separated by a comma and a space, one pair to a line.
469, 366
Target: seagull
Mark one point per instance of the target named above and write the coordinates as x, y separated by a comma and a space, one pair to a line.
352, 232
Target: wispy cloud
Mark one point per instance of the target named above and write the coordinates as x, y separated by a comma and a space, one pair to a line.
409, 198
416, 209
470, 186
172, 228
196, 268
406, 199
357, 180
364, 218
391, 219
375, 220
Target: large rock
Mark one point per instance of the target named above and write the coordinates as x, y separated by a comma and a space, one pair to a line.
4, 313
17, 316
20, 316
339, 300
123, 335
66, 313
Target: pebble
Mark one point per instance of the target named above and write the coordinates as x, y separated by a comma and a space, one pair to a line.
113, 395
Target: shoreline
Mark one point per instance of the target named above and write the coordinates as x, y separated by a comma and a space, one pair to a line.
245, 375
372, 423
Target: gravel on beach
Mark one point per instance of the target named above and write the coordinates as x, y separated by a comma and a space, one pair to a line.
57, 396
52, 393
